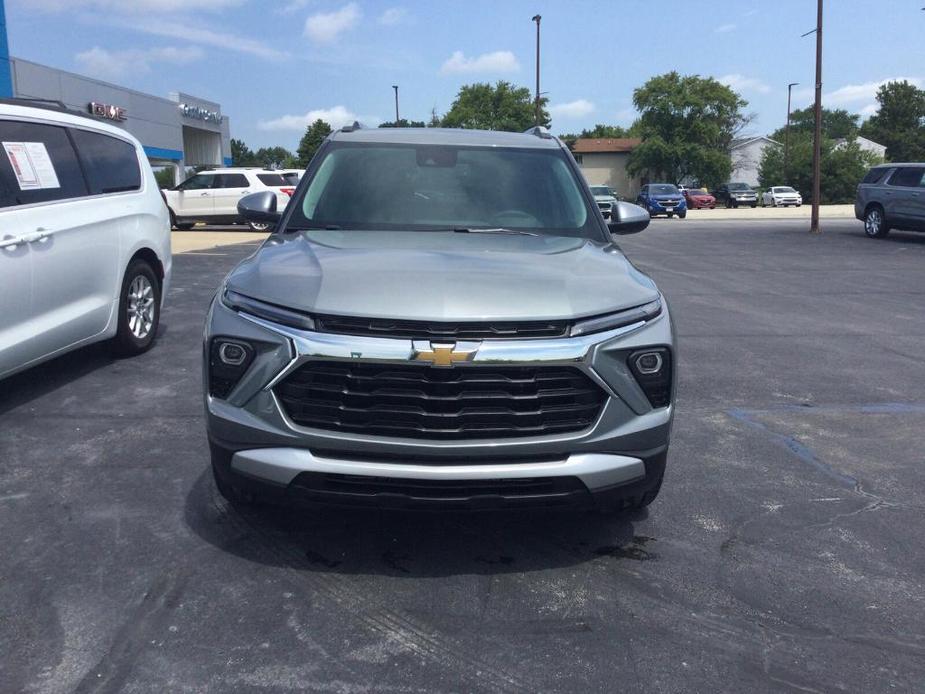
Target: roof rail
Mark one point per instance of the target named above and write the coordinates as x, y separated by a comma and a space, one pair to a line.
350, 128
49, 104
538, 131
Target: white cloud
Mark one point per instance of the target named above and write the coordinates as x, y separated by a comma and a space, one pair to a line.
855, 93
336, 117
724, 28
393, 16
869, 110
204, 37
572, 109
498, 61
133, 6
743, 83
105, 64
293, 6
626, 115
325, 27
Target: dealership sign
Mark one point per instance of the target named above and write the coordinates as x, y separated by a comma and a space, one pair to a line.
107, 111
200, 113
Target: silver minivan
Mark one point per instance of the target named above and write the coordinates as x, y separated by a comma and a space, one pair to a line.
84, 236
892, 196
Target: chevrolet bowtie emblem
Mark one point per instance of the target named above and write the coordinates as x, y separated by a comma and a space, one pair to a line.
444, 354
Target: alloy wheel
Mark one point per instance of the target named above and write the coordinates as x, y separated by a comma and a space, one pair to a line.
140, 306
873, 222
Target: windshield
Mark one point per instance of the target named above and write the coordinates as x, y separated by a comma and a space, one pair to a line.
600, 190
443, 187
784, 189
738, 186
663, 189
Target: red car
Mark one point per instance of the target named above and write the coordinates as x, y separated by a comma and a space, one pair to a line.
698, 198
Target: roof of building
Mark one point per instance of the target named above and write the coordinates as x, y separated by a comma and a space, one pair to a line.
742, 141
445, 136
605, 144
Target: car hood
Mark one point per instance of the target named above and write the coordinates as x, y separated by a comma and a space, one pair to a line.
441, 276
706, 196
604, 198
666, 196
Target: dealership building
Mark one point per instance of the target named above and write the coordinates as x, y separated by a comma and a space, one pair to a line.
179, 131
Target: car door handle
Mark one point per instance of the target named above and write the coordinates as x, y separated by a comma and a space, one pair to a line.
245, 192
40, 234
12, 243
202, 195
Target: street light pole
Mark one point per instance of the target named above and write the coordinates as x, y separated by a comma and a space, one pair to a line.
817, 138
787, 133
397, 122
536, 108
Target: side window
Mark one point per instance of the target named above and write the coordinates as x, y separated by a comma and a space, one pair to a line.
37, 164
111, 164
234, 180
197, 182
908, 177
273, 180
875, 175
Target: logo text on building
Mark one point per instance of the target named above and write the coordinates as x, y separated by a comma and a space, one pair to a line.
108, 111
200, 113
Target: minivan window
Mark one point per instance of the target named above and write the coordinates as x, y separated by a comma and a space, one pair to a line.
908, 177
272, 180
876, 175
37, 164
444, 187
110, 164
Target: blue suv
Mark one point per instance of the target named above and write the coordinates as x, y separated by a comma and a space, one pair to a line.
662, 198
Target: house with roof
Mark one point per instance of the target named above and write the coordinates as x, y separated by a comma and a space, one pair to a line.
866, 145
603, 161
746, 155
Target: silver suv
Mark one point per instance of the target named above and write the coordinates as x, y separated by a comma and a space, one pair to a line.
892, 196
465, 332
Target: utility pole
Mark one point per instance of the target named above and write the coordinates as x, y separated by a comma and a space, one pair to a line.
397, 121
817, 138
787, 133
536, 112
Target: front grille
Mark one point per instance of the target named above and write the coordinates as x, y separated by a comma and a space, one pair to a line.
605, 205
384, 327
427, 402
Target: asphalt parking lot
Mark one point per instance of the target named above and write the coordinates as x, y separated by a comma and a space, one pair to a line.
785, 552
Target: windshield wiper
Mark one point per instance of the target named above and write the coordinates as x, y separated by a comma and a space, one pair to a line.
493, 230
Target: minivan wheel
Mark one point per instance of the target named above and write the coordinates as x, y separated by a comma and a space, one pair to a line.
258, 226
139, 310
875, 225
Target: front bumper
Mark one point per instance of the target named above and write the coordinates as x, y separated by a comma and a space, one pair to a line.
663, 207
264, 446
701, 203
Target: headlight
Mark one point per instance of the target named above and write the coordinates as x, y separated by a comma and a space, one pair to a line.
639, 314
270, 312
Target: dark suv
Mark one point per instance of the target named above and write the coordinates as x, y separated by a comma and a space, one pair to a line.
892, 196
735, 194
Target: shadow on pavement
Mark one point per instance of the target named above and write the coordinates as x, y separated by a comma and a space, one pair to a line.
412, 544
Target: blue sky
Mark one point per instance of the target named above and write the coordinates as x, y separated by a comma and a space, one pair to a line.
276, 65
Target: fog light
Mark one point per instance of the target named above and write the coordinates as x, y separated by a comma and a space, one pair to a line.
652, 370
228, 362
232, 353
649, 363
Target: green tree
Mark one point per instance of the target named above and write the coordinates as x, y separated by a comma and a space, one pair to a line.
900, 122
241, 155
836, 123
279, 156
687, 125
404, 123
164, 177
841, 168
499, 107
311, 141
600, 130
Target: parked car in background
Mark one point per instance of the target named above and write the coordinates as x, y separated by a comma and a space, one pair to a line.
212, 196
736, 194
605, 199
892, 196
292, 176
352, 359
84, 236
698, 198
662, 198
781, 196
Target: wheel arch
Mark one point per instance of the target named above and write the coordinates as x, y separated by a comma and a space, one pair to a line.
150, 257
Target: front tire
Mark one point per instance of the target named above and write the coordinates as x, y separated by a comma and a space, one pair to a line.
682, 215
875, 225
139, 310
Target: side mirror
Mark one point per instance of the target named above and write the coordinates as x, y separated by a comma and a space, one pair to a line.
626, 218
259, 207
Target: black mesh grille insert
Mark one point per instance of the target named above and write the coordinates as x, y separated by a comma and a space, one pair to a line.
381, 327
422, 401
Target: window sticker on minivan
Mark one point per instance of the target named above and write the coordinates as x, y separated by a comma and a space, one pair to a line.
32, 165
